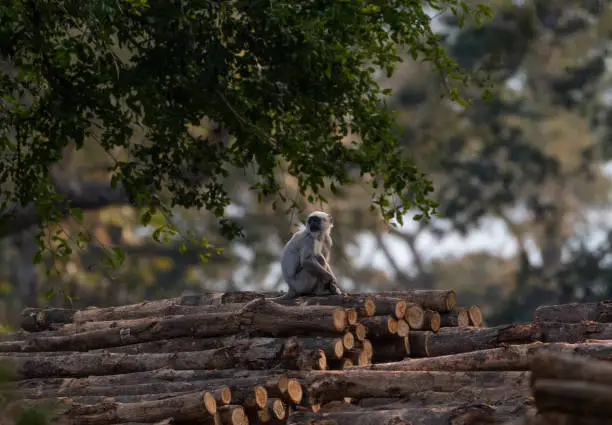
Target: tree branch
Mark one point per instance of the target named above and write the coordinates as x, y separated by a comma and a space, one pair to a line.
87, 195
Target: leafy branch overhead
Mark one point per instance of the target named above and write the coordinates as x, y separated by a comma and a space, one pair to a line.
286, 80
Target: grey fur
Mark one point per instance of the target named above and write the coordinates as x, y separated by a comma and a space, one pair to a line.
305, 259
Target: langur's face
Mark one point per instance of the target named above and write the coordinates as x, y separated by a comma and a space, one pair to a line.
319, 221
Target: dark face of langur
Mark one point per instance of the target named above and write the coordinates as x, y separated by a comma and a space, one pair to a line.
318, 223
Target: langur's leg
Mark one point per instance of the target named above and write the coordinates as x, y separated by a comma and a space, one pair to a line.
305, 283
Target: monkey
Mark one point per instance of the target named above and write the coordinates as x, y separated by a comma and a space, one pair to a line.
305, 259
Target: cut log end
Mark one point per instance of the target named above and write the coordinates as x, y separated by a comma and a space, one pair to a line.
321, 360
392, 325
360, 331
339, 318
367, 347
209, 403
351, 316
338, 348
402, 328
232, 414
433, 320
415, 316
277, 408
223, 395
369, 307
294, 391
451, 300
348, 340
475, 315
260, 395
400, 309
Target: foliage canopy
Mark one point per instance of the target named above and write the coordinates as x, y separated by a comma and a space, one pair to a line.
285, 79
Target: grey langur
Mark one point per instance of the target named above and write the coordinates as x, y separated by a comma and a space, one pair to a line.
305, 259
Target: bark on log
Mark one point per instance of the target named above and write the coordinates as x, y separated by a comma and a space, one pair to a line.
571, 368
556, 418
433, 299
462, 340
262, 353
474, 414
380, 327
185, 407
573, 332
200, 325
363, 303
390, 306
231, 414
391, 350
158, 375
275, 319
574, 397
309, 354
174, 345
459, 317
335, 385
575, 312
431, 321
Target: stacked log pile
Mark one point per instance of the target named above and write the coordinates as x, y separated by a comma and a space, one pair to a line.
244, 357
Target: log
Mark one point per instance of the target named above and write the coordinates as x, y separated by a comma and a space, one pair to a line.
415, 316
432, 321
366, 346
475, 315
197, 325
275, 319
351, 316
335, 385
462, 340
380, 327
457, 318
100, 399
391, 350
433, 299
37, 319
277, 408
363, 303
158, 375
174, 345
289, 390
192, 406
575, 312
357, 356
231, 414
359, 331
471, 414
556, 418
260, 353
570, 368
574, 397
348, 340
573, 332
390, 306
402, 328
309, 354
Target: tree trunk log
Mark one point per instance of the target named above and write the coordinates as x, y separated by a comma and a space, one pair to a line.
573, 332
573, 397
363, 303
185, 407
380, 327
263, 353
334, 385
432, 321
174, 345
459, 317
575, 312
415, 316
311, 353
390, 306
42, 385
462, 340
434, 299
474, 414
391, 350
571, 368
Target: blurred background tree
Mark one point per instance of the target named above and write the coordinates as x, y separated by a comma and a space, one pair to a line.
523, 182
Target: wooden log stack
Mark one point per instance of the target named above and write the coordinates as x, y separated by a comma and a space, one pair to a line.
244, 358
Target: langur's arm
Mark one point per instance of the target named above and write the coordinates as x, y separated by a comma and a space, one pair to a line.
312, 264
